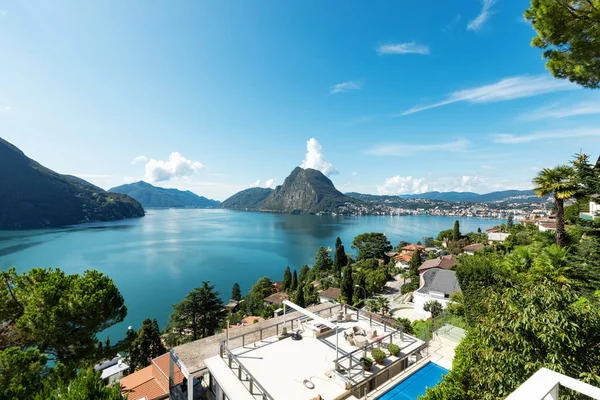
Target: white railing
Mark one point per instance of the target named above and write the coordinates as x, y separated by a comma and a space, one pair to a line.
545, 385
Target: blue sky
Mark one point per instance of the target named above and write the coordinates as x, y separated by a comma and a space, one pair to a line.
218, 96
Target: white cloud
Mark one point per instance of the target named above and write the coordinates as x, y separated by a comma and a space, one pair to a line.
506, 89
175, 167
406, 150
355, 173
486, 12
403, 185
314, 159
345, 87
563, 111
403, 48
6, 108
139, 159
269, 183
130, 179
514, 139
468, 183
266, 184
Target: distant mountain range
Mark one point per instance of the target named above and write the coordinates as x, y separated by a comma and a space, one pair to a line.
303, 191
151, 196
515, 196
33, 196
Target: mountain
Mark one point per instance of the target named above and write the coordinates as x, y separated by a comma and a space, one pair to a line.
247, 199
152, 196
33, 196
515, 196
303, 191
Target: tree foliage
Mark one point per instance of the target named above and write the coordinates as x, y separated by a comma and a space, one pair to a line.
286, 284
60, 314
456, 231
200, 312
415, 263
371, 245
146, 345
21, 373
340, 260
569, 32
86, 385
347, 287
434, 307
294, 283
236, 292
323, 264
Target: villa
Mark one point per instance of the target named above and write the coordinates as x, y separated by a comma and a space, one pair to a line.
436, 284
276, 298
442, 262
497, 237
473, 248
331, 295
594, 208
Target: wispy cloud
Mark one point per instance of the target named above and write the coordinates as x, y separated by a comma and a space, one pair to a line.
515, 139
506, 89
484, 15
139, 159
345, 87
404, 150
563, 111
402, 185
6, 108
403, 48
452, 24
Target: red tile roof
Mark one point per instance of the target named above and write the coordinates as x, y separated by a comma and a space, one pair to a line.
276, 298
151, 382
413, 247
332, 292
443, 262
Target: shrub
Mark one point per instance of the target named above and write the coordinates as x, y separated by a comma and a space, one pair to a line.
366, 362
410, 287
378, 355
393, 349
405, 323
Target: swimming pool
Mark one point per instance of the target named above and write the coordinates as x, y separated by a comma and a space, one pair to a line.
416, 384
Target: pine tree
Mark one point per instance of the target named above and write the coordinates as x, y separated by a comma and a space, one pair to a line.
294, 284
415, 263
236, 293
146, 346
456, 231
478, 230
510, 222
323, 263
347, 288
302, 276
310, 295
299, 297
340, 259
287, 280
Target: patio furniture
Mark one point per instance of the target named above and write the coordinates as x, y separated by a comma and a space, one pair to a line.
360, 341
351, 340
358, 330
340, 317
348, 317
373, 333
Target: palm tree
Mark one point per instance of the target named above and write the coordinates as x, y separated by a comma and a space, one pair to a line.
560, 182
383, 304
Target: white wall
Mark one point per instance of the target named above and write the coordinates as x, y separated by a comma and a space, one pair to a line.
594, 208
419, 300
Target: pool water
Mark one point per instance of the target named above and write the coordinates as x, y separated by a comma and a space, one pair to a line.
416, 384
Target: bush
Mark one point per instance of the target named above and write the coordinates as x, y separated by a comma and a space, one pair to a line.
405, 322
366, 362
393, 349
378, 355
423, 329
409, 287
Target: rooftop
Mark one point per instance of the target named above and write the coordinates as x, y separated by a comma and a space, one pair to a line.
332, 292
281, 365
443, 262
151, 382
276, 298
439, 280
474, 247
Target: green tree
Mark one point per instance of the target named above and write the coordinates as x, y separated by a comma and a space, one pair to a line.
323, 263
383, 304
514, 338
406, 325
560, 183
434, 307
146, 345
587, 177
415, 263
299, 297
304, 270
201, 312
347, 287
428, 241
478, 230
21, 373
371, 245
510, 222
287, 280
456, 231
86, 385
60, 314
310, 294
340, 260
294, 283
236, 293
568, 32
372, 306
445, 234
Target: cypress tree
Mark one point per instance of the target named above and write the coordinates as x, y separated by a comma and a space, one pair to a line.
287, 280
415, 263
456, 231
299, 298
294, 283
302, 276
236, 293
347, 288
339, 259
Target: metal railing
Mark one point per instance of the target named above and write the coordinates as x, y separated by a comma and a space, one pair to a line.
252, 382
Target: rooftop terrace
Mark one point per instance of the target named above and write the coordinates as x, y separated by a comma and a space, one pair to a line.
323, 362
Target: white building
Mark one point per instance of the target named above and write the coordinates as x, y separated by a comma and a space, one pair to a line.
436, 284
112, 370
497, 237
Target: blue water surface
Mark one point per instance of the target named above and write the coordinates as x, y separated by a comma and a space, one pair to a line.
416, 384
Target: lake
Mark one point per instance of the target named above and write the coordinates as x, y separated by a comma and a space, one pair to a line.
156, 260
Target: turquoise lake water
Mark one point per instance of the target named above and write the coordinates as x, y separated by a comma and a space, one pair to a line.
158, 259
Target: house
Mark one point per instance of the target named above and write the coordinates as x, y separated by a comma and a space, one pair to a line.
245, 322
472, 248
152, 382
497, 237
331, 295
495, 229
232, 306
275, 298
278, 286
442, 262
403, 260
411, 248
594, 209
436, 284
546, 226
112, 370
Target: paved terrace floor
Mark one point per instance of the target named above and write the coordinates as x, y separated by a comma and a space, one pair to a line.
194, 353
281, 366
